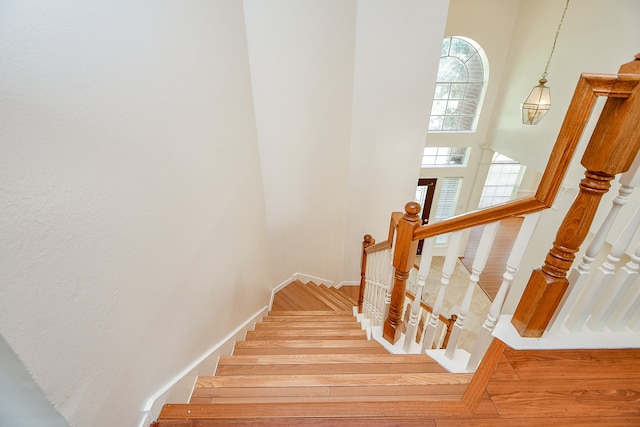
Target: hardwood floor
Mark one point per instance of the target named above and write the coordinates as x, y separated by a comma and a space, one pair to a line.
491, 277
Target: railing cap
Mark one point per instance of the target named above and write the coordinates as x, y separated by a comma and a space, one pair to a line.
412, 208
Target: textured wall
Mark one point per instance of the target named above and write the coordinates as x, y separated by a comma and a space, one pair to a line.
131, 211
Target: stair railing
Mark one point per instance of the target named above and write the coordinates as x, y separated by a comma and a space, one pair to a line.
602, 298
611, 150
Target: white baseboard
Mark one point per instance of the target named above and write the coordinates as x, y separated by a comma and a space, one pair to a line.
348, 283
179, 389
306, 278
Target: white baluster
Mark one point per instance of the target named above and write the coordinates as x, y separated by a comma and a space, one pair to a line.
513, 263
390, 275
621, 291
596, 321
423, 272
620, 320
447, 270
634, 321
579, 276
479, 262
368, 289
600, 280
628, 181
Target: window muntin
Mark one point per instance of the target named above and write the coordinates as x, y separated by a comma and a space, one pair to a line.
447, 202
445, 157
459, 86
503, 181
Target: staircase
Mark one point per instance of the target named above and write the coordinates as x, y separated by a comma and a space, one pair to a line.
309, 363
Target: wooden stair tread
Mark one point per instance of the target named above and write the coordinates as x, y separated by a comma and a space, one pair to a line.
327, 410
325, 399
307, 325
308, 343
309, 350
314, 318
324, 293
326, 363
324, 391
307, 334
310, 313
317, 368
325, 359
342, 380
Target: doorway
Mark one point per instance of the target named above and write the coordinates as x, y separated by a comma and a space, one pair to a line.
424, 195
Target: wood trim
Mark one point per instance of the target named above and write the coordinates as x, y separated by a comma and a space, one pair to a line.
386, 244
476, 389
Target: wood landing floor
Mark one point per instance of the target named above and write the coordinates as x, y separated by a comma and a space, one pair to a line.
531, 388
491, 277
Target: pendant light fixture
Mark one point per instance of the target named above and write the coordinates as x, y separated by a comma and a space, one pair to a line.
539, 100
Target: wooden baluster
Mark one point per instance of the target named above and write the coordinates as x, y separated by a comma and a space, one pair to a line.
447, 270
513, 264
423, 272
404, 255
368, 241
611, 150
479, 262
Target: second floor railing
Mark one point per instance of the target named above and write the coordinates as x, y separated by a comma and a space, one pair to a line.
611, 150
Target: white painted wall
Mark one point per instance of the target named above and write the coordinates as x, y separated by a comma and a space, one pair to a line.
131, 211
301, 55
396, 61
468, 18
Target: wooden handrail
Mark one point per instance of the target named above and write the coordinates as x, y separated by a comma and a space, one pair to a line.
395, 219
616, 133
617, 122
589, 87
612, 148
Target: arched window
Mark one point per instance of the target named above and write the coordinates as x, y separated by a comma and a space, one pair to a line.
460, 86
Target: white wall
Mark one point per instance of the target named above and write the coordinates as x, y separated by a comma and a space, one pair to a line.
469, 18
396, 61
301, 55
131, 211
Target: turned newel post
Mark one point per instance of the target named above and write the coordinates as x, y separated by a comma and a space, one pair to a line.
404, 255
611, 150
366, 242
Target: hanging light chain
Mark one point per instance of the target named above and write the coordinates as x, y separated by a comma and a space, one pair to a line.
553, 48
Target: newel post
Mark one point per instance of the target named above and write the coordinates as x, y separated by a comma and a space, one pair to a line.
366, 242
404, 256
611, 150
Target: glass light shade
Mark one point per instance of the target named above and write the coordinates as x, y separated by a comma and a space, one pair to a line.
537, 104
